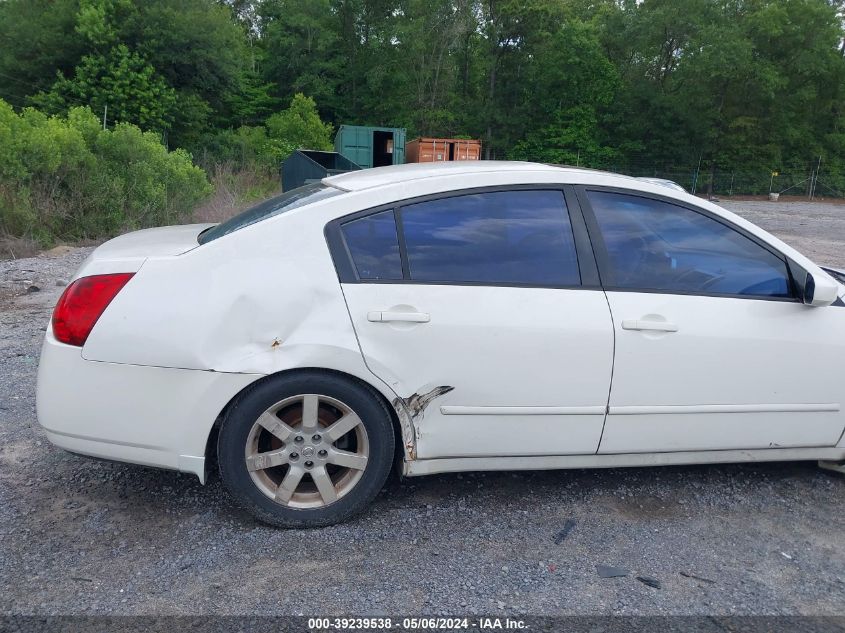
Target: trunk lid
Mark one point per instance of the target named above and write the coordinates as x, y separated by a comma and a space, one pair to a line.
160, 241
126, 253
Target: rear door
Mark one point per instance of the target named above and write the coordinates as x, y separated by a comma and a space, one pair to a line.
482, 311
713, 349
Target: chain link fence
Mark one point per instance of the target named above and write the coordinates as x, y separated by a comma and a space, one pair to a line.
811, 182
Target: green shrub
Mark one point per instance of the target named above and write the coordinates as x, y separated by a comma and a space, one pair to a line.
245, 148
67, 178
298, 127
265, 147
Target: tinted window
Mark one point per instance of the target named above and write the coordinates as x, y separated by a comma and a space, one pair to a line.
374, 246
500, 237
661, 246
292, 199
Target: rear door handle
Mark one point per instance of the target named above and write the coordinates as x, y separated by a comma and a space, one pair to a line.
649, 326
407, 317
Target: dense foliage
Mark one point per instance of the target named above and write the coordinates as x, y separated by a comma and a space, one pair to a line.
69, 177
704, 89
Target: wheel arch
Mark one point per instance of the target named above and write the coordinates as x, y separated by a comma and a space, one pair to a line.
403, 435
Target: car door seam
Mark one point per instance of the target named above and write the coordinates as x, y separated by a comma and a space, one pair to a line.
612, 366
406, 423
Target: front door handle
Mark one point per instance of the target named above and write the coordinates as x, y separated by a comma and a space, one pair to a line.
407, 317
649, 326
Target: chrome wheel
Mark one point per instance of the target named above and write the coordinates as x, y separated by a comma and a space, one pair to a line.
307, 451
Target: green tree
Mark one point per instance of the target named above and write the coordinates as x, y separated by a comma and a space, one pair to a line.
641, 86
189, 54
304, 51
298, 127
565, 94
38, 40
122, 85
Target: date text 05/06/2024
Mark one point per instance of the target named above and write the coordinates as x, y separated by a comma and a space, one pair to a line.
316, 625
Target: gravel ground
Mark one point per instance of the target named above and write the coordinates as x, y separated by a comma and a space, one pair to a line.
88, 537
817, 229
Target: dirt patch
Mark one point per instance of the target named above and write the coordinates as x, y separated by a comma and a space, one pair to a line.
17, 247
643, 508
58, 251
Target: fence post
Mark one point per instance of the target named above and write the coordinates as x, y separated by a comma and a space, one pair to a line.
816, 181
695, 179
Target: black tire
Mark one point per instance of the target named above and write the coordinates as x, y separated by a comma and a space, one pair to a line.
256, 399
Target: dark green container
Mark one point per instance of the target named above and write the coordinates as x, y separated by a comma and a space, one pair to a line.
308, 165
371, 146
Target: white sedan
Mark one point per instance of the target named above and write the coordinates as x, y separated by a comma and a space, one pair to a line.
445, 317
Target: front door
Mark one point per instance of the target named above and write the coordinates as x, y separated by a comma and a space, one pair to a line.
712, 349
471, 308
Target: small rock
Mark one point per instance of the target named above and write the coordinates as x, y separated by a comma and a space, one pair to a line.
650, 581
560, 537
702, 579
32, 289
605, 571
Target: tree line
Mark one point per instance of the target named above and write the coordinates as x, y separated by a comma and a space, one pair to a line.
638, 86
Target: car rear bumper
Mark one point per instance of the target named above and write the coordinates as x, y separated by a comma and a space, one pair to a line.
154, 416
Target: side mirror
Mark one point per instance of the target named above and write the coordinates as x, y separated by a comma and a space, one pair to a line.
820, 290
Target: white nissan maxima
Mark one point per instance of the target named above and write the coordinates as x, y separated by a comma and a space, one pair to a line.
445, 317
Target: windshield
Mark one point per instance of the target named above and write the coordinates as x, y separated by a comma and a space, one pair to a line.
292, 199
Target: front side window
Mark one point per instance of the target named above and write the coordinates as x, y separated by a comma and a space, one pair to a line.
519, 237
656, 245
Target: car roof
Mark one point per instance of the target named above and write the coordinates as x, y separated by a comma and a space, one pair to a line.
394, 174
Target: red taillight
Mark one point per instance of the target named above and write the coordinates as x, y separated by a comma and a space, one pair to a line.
82, 303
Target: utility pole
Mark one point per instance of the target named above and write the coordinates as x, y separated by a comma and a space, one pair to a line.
105, 112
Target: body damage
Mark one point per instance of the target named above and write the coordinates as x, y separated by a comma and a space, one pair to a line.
411, 411
243, 332
234, 311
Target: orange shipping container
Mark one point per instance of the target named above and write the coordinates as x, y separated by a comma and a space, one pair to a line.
430, 150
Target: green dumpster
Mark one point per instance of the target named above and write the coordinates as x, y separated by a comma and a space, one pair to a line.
371, 146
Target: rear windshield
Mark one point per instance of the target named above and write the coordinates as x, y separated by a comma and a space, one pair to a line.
292, 199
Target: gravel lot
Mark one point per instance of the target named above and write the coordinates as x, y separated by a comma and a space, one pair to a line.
86, 537
817, 229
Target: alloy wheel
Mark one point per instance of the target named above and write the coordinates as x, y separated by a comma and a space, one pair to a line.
307, 451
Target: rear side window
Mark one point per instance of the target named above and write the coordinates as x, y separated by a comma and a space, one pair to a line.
374, 246
292, 199
656, 245
519, 237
